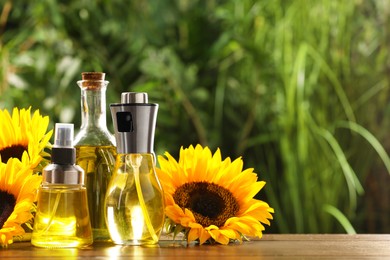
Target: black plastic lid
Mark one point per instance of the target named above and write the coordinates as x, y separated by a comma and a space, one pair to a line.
63, 156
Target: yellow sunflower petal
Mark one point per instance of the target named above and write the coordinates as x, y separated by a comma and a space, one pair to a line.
169, 201
189, 218
6, 127
204, 236
198, 170
218, 235
259, 210
241, 227
174, 170
184, 218
245, 225
247, 192
29, 189
174, 212
194, 234
230, 233
6, 236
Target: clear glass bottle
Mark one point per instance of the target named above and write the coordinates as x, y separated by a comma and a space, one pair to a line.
95, 148
62, 218
134, 204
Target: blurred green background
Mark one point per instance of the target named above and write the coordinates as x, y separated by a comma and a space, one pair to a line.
298, 88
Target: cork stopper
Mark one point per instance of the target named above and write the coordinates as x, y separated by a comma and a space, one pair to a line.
92, 80
93, 75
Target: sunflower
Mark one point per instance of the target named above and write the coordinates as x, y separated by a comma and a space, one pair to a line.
210, 199
18, 186
23, 137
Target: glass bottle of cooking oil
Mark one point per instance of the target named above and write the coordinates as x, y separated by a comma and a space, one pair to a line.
62, 217
134, 204
95, 148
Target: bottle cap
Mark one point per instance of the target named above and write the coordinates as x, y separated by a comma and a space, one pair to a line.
134, 123
93, 75
63, 170
63, 151
63, 135
92, 80
134, 97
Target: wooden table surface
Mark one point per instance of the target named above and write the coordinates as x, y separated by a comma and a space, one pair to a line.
269, 247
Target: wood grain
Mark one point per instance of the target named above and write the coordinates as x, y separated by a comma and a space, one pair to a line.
269, 247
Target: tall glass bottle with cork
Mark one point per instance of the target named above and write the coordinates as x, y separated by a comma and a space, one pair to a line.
95, 148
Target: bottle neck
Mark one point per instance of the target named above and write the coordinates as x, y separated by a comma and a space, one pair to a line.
93, 108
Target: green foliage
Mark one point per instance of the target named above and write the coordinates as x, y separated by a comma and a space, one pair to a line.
294, 87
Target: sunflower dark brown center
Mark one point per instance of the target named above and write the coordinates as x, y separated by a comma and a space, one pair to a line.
15, 151
210, 203
7, 205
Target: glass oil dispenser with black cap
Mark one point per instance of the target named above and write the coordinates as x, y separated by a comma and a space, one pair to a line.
62, 217
134, 203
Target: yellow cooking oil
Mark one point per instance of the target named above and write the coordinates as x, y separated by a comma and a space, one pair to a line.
134, 206
98, 163
62, 218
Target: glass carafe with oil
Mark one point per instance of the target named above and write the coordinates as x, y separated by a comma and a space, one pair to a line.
62, 218
95, 149
134, 204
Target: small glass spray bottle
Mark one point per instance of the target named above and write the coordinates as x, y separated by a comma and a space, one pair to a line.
62, 218
134, 204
